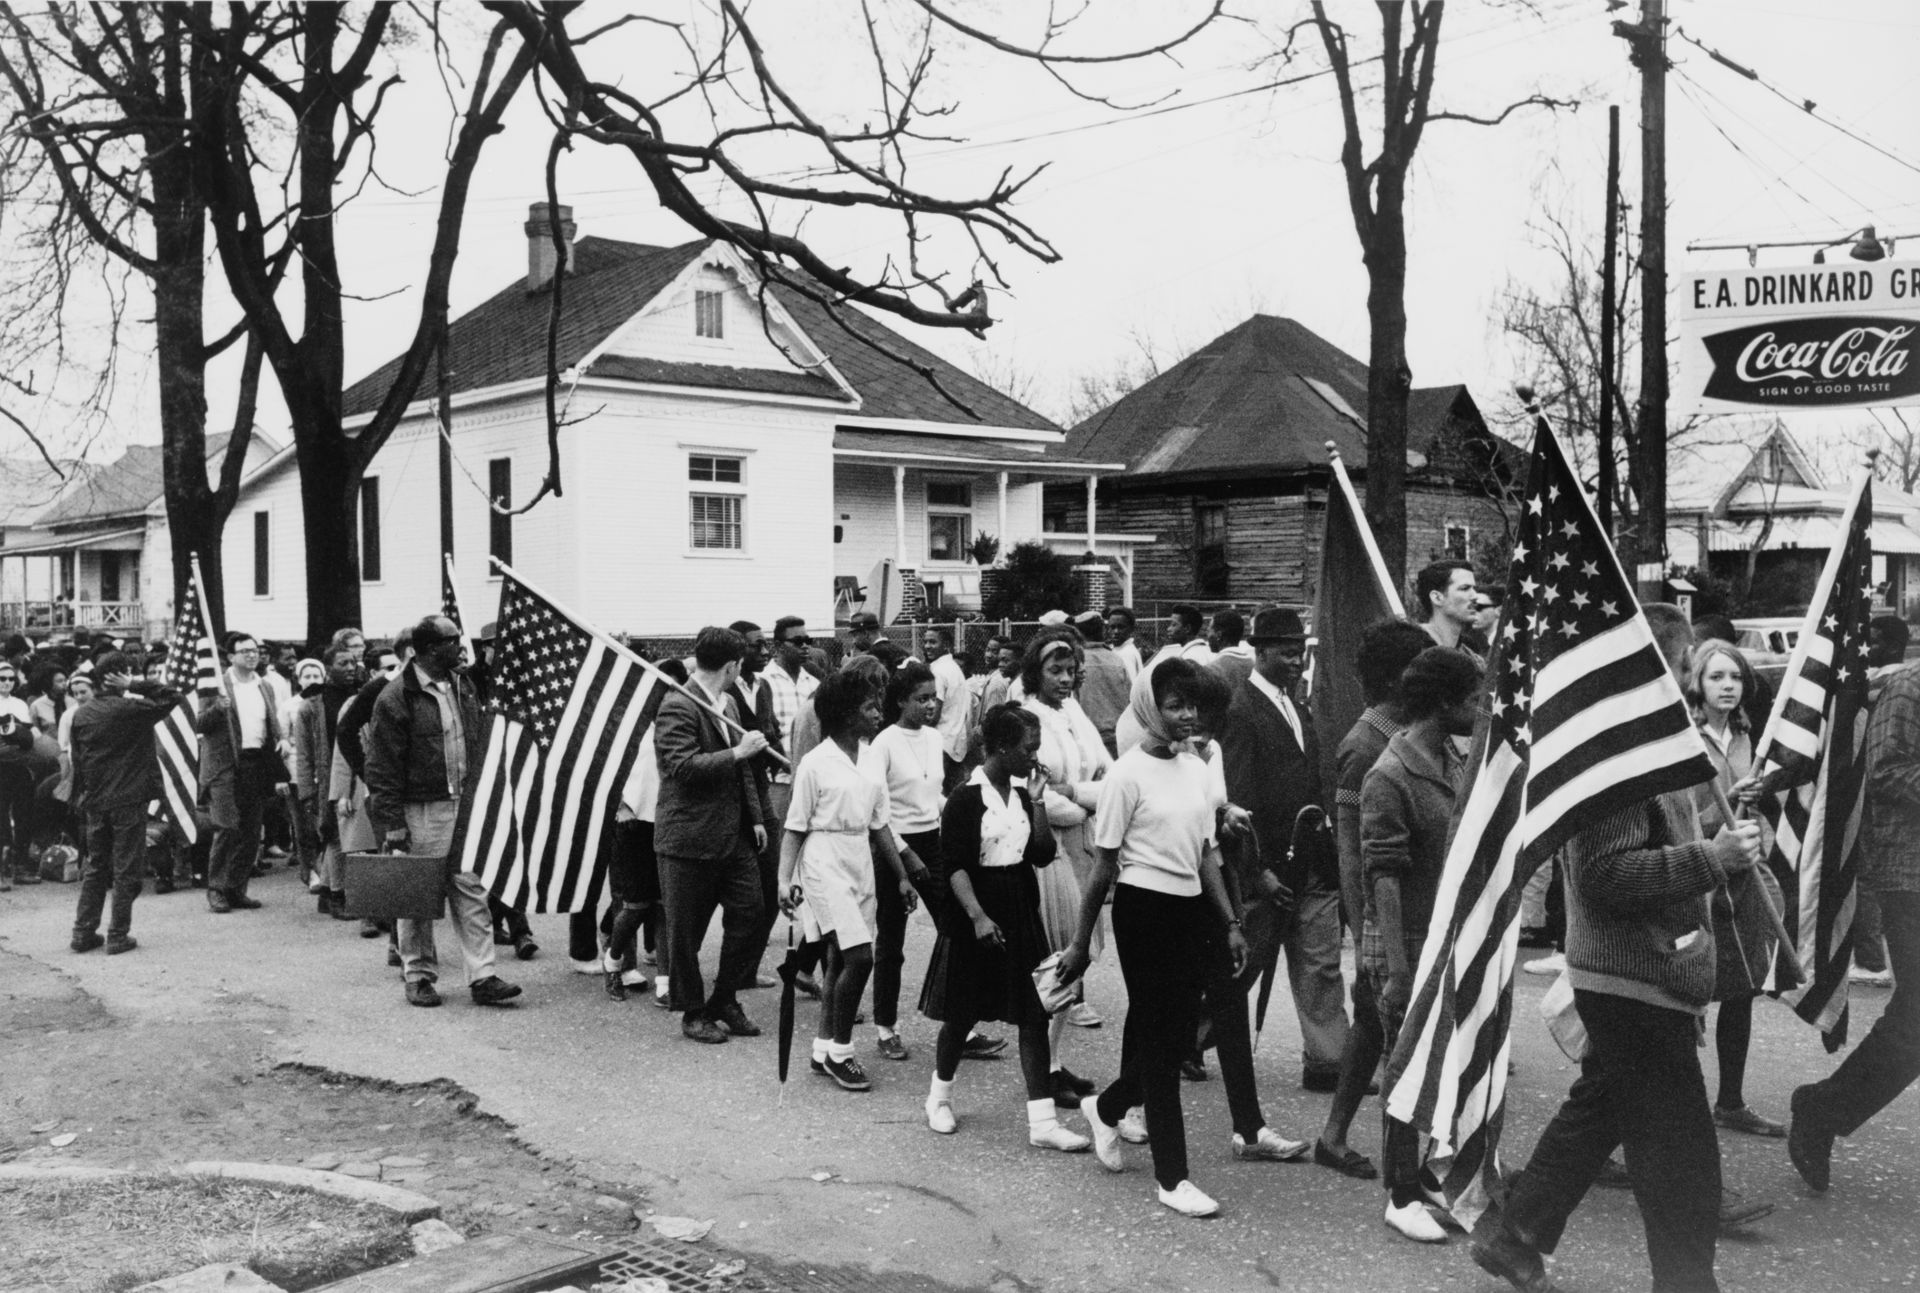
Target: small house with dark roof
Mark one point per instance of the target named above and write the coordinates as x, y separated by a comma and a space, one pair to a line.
1226, 465
717, 462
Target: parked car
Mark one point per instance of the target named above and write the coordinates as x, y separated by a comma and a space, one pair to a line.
1768, 644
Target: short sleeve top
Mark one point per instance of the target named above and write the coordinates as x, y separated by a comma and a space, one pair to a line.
1159, 815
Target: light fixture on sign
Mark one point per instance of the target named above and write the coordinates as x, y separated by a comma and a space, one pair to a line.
1868, 248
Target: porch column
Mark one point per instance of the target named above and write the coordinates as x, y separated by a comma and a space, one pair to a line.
1093, 490
1004, 544
899, 518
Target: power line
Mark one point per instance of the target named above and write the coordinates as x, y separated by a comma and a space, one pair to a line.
1759, 168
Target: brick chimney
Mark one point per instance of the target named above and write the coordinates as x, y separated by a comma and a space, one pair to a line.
541, 217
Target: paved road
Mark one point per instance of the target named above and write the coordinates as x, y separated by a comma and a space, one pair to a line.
708, 1129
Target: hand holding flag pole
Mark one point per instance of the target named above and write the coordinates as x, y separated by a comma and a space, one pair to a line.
1727, 814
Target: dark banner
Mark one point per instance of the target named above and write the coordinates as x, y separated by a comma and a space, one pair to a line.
1815, 362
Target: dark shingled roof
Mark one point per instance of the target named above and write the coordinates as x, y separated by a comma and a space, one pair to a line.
122, 487
504, 340
663, 372
1265, 397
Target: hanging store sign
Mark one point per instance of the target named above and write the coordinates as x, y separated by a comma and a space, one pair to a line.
1845, 335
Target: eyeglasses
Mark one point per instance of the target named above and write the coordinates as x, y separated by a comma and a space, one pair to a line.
799, 641
246, 651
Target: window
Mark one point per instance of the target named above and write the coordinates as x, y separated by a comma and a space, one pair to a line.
709, 317
1053, 520
370, 530
716, 514
1458, 539
499, 524
263, 554
949, 519
1212, 576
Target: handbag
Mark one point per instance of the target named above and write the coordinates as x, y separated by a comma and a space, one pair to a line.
1563, 1019
1055, 996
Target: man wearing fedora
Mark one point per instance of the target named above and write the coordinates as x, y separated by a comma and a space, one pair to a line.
1272, 760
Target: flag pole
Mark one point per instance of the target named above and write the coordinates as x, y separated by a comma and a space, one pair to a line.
220, 668
1727, 815
607, 639
471, 643
1389, 586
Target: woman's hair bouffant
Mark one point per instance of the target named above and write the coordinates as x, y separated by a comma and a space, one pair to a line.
839, 699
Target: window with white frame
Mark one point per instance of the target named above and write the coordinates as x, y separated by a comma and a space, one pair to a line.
949, 519
1459, 538
709, 314
716, 503
263, 554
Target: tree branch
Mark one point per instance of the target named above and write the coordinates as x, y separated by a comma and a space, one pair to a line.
1531, 101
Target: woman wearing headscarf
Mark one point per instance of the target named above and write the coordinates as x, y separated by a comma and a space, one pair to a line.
1074, 759
1172, 917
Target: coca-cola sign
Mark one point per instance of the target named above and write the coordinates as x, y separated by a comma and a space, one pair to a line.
1815, 363
1819, 336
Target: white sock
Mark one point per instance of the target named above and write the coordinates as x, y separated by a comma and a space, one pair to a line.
883, 1030
842, 1051
939, 1092
1041, 1115
820, 1048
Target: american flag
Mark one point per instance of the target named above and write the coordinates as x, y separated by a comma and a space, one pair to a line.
1584, 719
193, 669
566, 708
1812, 758
450, 605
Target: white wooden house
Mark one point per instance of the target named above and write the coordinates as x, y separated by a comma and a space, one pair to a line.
716, 465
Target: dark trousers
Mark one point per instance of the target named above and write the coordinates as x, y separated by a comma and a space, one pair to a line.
1639, 1087
1869, 947
236, 849
1887, 1059
779, 796
1165, 946
116, 860
16, 808
690, 889
890, 929
1233, 1037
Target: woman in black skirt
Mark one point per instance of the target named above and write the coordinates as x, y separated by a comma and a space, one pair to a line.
993, 834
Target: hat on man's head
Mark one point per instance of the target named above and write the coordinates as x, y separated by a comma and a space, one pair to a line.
1277, 624
1054, 619
862, 620
1090, 623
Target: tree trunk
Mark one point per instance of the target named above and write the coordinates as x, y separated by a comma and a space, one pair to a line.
330, 473
1388, 377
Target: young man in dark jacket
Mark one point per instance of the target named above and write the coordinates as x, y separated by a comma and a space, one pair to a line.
116, 774
423, 748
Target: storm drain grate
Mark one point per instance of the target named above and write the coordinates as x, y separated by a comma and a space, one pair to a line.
713, 1272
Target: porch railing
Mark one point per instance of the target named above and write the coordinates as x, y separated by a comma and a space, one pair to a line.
28, 616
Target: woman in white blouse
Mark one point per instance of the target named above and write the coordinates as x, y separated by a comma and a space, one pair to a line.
1074, 759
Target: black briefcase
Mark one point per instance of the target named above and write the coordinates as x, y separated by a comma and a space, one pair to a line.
396, 886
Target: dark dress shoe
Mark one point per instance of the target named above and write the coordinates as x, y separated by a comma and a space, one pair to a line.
616, 990
892, 1048
735, 1021
422, 993
1193, 1068
1810, 1150
806, 986
124, 943
1321, 1080
162, 884
394, 959
493, 991
1349, 1162
501, 938
241, 902
982, 1046
1069, 1089
1736, 1212
525, 948
1503, 1255
702, 1030
217, 902
86, 942
337, 905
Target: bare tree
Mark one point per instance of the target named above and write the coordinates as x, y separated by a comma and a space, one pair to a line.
100, 163
1893, 438
1376, 195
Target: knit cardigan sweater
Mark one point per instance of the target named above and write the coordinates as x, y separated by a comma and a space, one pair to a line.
1638, 925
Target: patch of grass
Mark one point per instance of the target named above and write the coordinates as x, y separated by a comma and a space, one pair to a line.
111, 1236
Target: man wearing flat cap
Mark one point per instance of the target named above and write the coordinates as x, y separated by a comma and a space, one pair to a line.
1272, 760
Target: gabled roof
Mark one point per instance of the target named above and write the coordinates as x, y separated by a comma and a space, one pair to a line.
126, 486
503, 340
1264, 397
27, 485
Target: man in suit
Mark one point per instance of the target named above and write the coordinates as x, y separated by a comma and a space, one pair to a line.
1272, 758
710, 825
242, 752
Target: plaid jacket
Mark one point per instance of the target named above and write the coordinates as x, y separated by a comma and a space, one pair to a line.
1892, 860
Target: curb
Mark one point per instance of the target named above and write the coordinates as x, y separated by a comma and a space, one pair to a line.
409, 1206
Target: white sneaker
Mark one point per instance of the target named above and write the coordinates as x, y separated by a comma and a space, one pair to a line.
589, 966
1872, 978
1416, 1223
635, 979
1133, 1127
1082, 1015
1187, 1199
940, 1117
1106, 1139
1057, 1137
1268, 1147
1546, 964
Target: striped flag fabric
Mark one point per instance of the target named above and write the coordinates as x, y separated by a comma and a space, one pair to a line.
450, 606
1812, 761
193, 670
1353, 593
564, 728
1583, 718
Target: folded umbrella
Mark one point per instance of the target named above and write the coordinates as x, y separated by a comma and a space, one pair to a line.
1310, 819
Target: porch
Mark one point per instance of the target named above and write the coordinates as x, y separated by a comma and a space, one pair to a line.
73, 581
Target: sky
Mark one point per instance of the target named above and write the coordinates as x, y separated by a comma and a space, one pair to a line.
1175, 223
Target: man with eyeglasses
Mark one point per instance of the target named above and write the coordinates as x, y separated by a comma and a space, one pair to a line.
240, 762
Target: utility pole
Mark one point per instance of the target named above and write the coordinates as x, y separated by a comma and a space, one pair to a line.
1647, 44
1609, 324
446, 465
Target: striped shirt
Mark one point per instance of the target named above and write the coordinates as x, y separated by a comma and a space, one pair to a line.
789, 694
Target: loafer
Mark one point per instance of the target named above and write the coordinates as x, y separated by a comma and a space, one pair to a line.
1193, 1069
422, 993
735, 1021
892, 1048
525, 948
1415, 1222
981, 1046
702, 1030
1737, 1213
1746, 1120
1189, 1200
1269, 1146
807, 986
87, 942
1348, 1162
493, 991
848, 1074
217, 902
240, 902
1503, 1255
1811, 1151
124, 943
1106, 1137
1068, 1089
